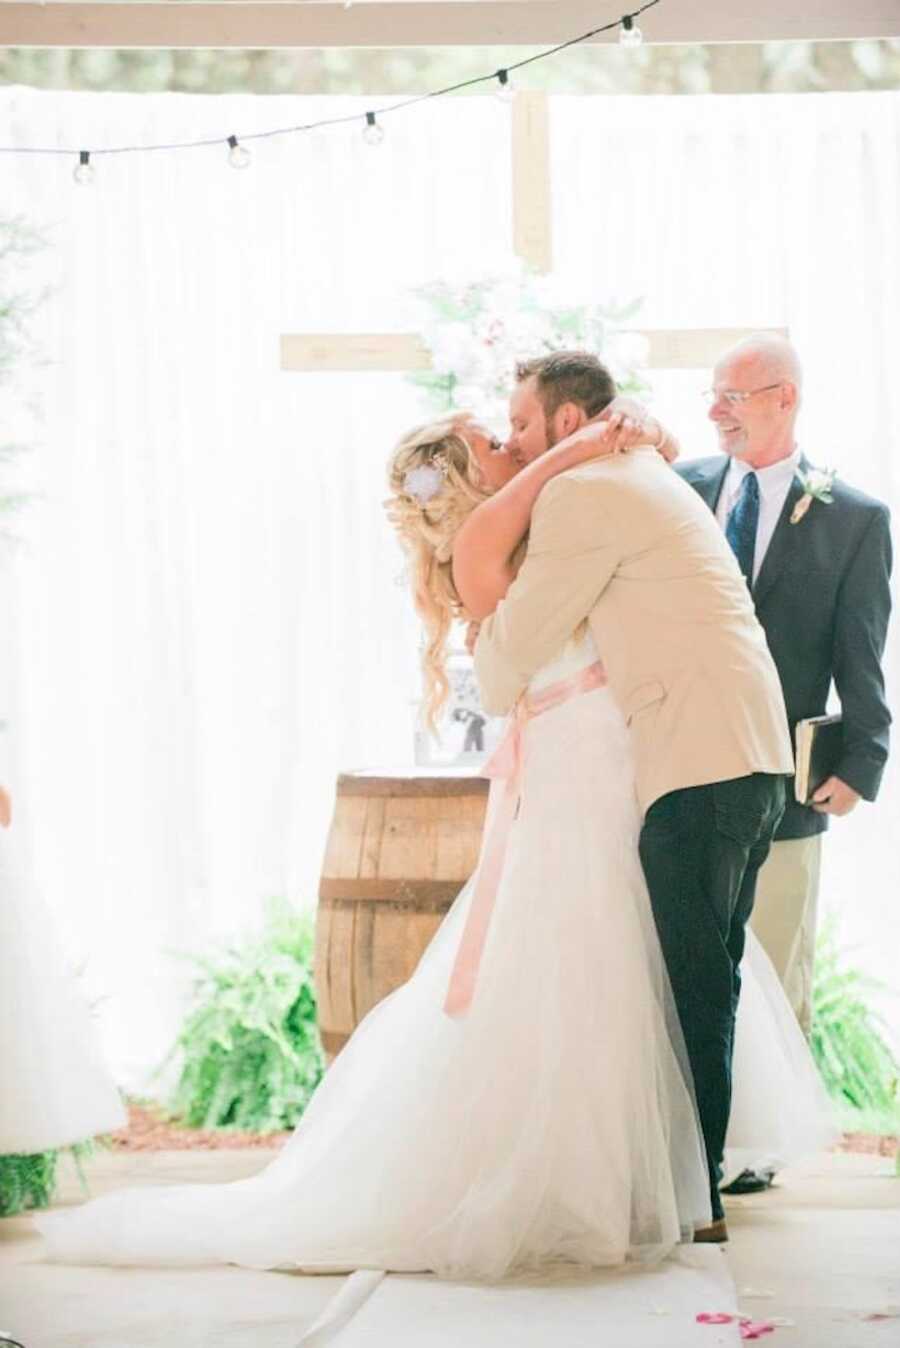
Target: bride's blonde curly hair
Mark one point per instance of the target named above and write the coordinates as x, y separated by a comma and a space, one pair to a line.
427, 530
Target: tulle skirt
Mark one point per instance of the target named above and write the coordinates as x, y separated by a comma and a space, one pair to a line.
555, 1121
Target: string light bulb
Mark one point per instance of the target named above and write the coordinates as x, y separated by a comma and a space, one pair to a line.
629, 34
238, 155
83, 172
506, 93
373, 134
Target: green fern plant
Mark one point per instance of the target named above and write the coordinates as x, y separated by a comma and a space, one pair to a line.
848, 1041
29, 1181
250, 1050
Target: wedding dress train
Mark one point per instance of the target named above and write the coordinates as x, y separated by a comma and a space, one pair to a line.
554, 1121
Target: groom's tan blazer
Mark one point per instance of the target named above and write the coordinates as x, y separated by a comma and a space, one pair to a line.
626, 544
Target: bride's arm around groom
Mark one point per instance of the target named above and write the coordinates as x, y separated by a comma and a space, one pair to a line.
625, 544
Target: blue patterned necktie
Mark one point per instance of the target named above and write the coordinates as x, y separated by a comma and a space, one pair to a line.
740, 527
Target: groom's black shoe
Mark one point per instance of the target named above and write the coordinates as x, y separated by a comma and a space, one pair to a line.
750, 1182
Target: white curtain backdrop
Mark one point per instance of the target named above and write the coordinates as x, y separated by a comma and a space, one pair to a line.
209, 624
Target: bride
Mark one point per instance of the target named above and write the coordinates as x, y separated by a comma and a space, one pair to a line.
524, 1099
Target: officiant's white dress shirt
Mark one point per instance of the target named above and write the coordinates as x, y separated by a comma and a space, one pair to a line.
774, 484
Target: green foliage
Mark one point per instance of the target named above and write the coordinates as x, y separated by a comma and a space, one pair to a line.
29, 1181
17, 305
18, 240
250, 1046
605, 68
857, 1064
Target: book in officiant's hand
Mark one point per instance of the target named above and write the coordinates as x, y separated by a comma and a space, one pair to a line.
819, 742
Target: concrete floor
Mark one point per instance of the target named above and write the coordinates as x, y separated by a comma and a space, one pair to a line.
823, 1250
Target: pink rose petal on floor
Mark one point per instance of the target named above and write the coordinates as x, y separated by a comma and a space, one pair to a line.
715, 1318
754, 1329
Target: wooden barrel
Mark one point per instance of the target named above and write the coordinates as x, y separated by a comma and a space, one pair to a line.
400, 849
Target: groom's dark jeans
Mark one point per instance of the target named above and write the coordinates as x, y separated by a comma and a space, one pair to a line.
701, 850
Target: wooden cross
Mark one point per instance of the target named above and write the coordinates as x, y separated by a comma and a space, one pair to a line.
668, 348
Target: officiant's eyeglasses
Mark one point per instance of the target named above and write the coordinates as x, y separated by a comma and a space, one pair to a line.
734, 397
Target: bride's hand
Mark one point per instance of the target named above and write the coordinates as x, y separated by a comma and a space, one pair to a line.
5, 807
602, 436
643, 429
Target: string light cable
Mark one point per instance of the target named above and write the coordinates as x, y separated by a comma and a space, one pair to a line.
239, 157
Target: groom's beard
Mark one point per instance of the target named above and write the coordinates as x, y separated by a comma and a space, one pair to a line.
553, 437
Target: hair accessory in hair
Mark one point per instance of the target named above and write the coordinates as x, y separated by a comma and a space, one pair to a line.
424, 482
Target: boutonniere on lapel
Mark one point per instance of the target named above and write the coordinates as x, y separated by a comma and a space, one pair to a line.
816, 484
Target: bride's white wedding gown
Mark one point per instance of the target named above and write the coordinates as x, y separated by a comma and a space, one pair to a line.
550, 1123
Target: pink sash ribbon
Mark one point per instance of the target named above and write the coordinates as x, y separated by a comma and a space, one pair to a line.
504, 765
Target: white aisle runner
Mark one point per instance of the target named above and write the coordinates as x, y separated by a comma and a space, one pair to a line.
637, 1308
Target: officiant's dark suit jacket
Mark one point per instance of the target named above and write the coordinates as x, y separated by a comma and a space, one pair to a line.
823, 598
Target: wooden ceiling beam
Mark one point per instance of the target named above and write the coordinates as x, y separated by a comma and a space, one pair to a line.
426, 23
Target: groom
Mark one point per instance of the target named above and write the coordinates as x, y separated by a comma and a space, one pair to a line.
626, 544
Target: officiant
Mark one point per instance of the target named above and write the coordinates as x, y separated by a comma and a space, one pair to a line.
816, 554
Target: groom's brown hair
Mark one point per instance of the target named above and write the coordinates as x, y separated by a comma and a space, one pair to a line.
577, 377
